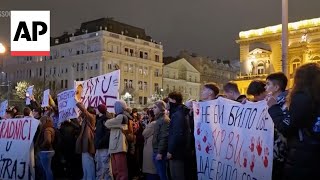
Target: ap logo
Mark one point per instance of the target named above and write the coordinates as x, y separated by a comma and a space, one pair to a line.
30, 33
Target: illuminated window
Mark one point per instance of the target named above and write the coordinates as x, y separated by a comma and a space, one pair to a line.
260, 68
295, 64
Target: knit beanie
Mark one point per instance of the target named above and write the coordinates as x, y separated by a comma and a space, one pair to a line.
102, 108
120, 106
161, 105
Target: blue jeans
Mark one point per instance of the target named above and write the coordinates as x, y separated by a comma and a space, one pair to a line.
45, 158
160, 166
88, 167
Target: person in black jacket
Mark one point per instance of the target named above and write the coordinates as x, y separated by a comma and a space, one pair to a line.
101, 141
303, 132
276, 99
177, 132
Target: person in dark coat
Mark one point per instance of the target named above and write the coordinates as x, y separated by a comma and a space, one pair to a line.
177, 132
101, 141
303, 132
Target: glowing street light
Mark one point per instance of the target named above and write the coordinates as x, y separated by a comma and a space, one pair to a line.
2, 49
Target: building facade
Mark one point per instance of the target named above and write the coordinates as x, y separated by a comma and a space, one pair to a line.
98, 47
217, 71
181, 76
261, 54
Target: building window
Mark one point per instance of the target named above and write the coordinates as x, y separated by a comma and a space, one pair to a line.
156, 87
40, 72
145, 100
82, 66
190, 77
145, 85
109, 66
130, 83
174, 75
141, 54
260, 68
140, 70
126, 83
66, 83
50, 85
156, 73
145, 56
96, 66
81, 79
295, 64
145, 71
126, 51
61, 85
157, 58
140, 100
54, 70
131, 68
131, 52
140, 85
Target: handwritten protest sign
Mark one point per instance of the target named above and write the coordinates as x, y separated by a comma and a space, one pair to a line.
102, 89
3, 108
233, 140
45, 99
16, 136
67, 105
28, 94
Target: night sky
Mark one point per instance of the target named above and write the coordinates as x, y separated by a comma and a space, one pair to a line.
207, 27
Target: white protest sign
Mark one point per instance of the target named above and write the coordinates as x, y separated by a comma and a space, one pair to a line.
29, 94
67, 105
45, 99
3, 108
102, 89
16, 137
233, 140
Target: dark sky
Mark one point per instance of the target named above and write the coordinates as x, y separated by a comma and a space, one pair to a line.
207, 27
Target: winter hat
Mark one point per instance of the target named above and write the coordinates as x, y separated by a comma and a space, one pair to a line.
120, 106
161, 105
102, 108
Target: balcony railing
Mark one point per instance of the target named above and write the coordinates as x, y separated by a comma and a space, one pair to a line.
251, 77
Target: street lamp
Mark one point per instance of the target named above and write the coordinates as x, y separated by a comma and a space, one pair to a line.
128, 96
285, 37
2, 49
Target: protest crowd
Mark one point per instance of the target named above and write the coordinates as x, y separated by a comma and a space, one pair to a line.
158, 142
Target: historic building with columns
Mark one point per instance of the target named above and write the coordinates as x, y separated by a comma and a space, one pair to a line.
260, 50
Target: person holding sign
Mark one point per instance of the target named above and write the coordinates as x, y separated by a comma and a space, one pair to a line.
209, 92
85, 141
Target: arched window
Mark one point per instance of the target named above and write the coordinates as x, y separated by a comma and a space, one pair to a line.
295, 64
316, 59
260, 68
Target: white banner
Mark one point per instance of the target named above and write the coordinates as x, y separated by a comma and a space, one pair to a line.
29, 93
45, 98
67, 105
16, 136
3, 108
102, 89
233, 140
